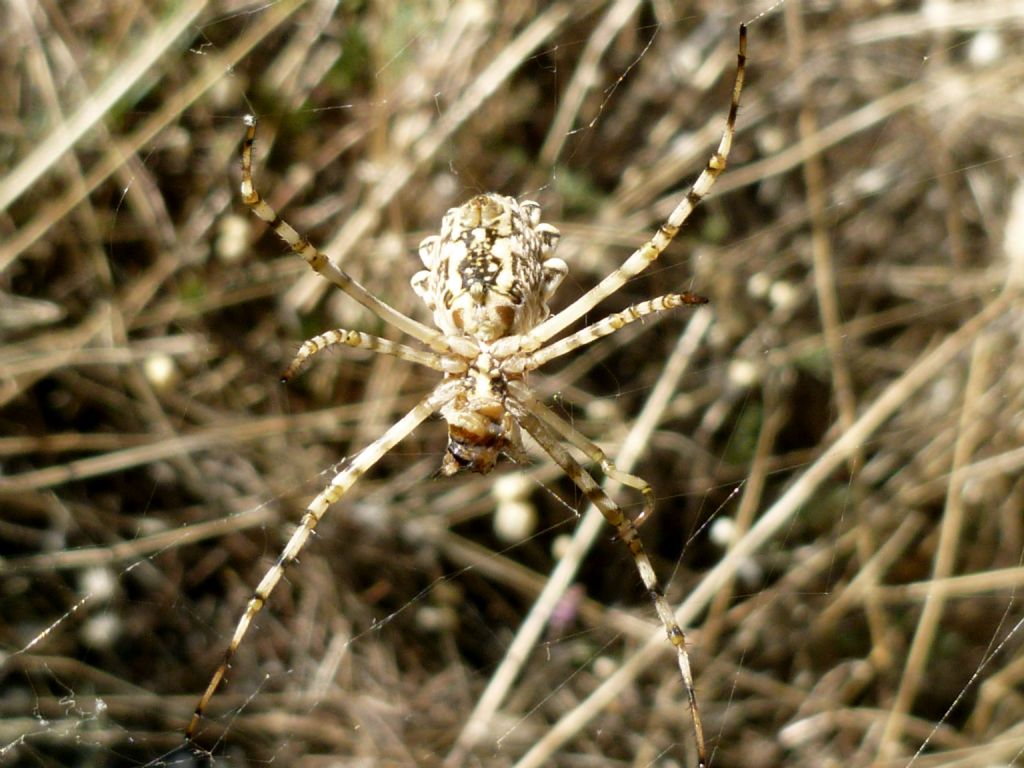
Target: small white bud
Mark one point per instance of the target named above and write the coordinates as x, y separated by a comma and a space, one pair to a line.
743, 373
160, 370
514, 521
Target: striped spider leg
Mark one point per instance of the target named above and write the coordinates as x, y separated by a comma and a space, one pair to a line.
337, 488
358, 340
488, 277
537, 426
649, 252
319, 262
588, 335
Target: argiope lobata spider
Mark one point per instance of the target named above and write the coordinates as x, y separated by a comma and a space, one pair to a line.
489, 275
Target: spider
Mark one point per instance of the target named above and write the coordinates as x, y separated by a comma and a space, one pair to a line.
487, 281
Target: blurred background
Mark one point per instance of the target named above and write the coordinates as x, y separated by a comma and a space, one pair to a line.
835, 440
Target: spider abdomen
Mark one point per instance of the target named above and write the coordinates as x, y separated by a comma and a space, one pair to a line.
488, 274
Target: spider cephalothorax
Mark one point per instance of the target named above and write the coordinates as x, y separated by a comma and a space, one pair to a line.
480, 427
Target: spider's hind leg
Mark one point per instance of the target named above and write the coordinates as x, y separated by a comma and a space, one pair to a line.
319, 262
647, 253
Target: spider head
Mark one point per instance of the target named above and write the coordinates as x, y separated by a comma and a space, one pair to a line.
490, 273
480, 429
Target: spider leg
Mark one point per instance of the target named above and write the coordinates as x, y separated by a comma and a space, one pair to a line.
337, 488
627, 532
360, 340
319, 262
607, 326
570, 434
651, 250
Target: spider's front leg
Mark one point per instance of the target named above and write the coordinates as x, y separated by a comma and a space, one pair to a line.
337, 488
627, 532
